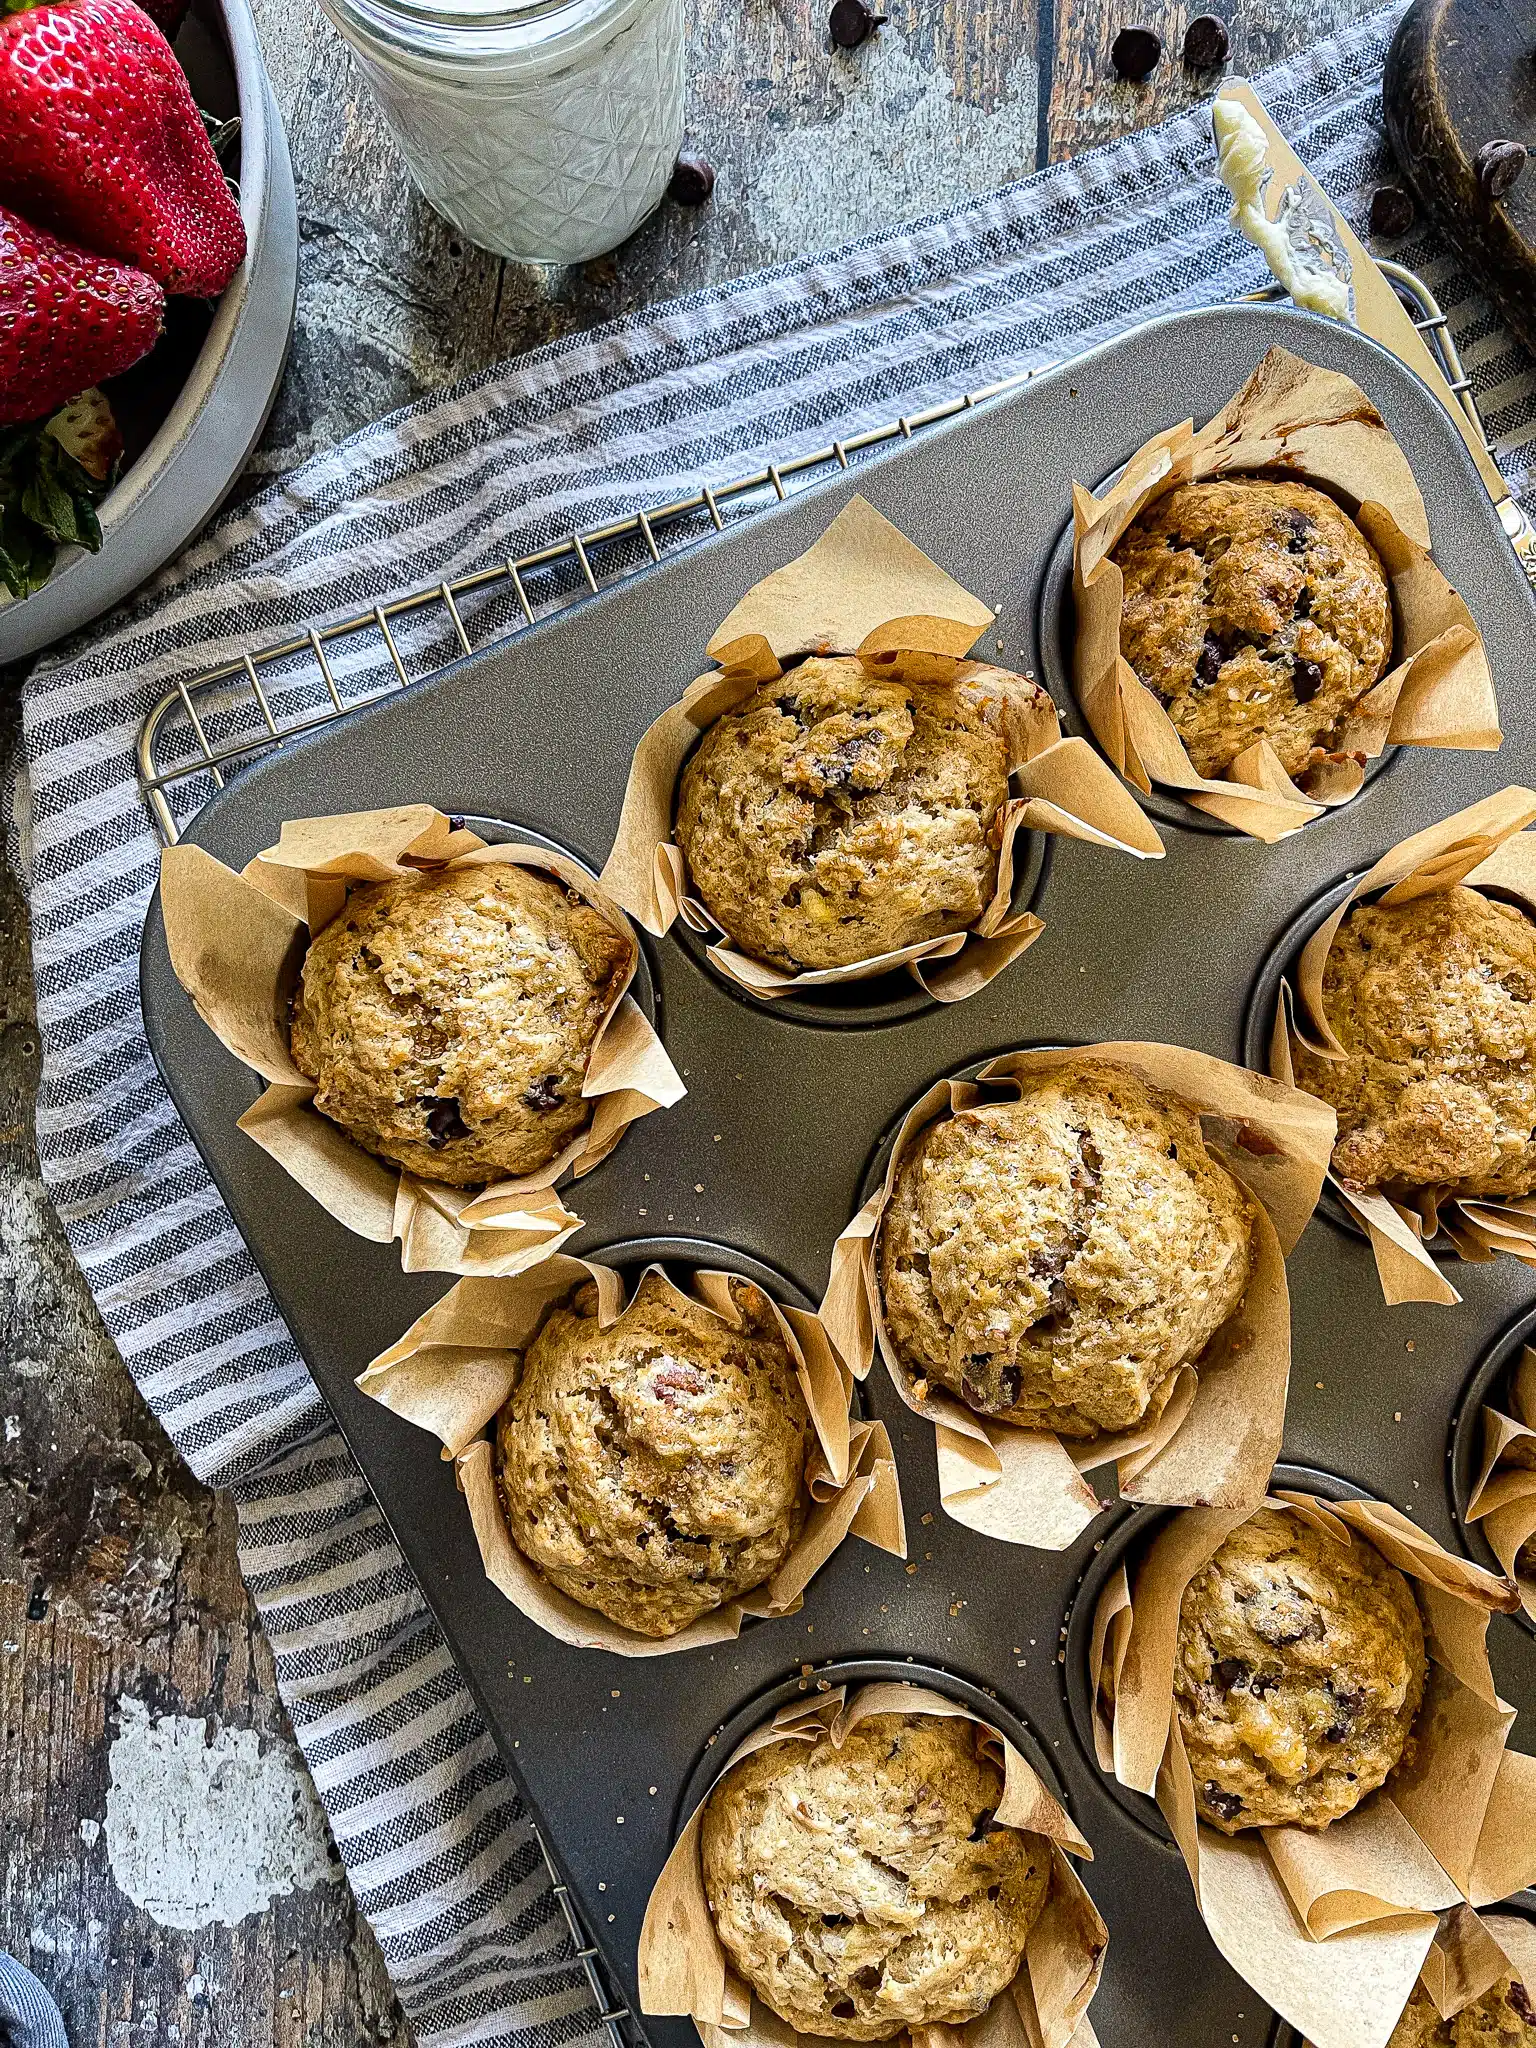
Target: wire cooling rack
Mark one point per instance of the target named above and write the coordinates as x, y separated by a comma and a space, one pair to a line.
213, 724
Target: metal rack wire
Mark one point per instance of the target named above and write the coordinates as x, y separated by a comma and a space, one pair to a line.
213, 724
611, 2014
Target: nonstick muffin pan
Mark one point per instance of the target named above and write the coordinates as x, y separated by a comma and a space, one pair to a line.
766, 1155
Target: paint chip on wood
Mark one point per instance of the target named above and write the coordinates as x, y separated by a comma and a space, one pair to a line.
208, 1826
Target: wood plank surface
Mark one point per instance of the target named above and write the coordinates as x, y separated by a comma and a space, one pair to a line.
119, 1589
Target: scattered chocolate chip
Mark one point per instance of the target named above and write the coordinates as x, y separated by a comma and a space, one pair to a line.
1392, 211
544, 1093
1225, 1805
1298, 530
1496, 167
1208, 667
1262, 1684
693, 179
1521, 2002
443, 1119
1229, 1673
852, 22
1206, 42
455, 823
984, 1821
1306, 680
1302, 609
1135, 52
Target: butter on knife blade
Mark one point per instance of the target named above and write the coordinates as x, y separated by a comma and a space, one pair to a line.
1307, 258
1286, 188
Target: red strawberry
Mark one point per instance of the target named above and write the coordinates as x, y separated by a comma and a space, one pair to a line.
67, 319
100, 140
167, 15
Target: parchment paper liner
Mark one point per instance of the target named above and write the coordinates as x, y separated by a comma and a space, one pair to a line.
457, 1364
1504, 1498
1470, 1953
1486, 844
1317, 427
1330, 1926
1212, 1437
864, 589
237, 943
683, 1968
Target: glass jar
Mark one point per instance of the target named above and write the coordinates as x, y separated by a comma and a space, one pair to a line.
544, 129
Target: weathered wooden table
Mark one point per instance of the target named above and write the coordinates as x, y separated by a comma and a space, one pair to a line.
119, 1589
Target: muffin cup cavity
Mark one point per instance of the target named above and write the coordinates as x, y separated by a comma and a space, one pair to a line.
1320, 1920
238, 943
1313, 426
1214, 1432
683, 1968
457, 1365
865, 591
1485, 847
1493, 1460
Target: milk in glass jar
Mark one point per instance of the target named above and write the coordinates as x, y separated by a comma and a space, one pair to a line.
544, 129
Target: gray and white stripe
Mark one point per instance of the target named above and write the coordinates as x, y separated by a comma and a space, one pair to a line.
439, 1849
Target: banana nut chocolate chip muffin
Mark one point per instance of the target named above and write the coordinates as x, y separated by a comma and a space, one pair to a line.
865, 1889
655, 1469
1503, 2017
446, 1019
1053, 1260
1300, 1668
833, 817
1253, 609
1434, 1002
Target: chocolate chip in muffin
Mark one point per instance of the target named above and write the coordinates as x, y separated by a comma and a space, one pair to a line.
443, 1119
1306, 679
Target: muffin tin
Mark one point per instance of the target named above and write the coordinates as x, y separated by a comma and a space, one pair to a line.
768, 1151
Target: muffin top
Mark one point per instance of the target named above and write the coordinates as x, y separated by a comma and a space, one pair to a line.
656, 1469
833, 817
1434, 1002
446, 1019
867, 1888
1503, 2017
1299, 1671
1053, 1260
1253, 609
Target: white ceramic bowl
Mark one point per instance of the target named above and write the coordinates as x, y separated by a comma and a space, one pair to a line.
201, 444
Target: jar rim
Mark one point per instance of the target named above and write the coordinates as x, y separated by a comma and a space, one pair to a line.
476, 14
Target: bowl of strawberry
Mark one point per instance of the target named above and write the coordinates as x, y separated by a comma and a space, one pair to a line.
148, 257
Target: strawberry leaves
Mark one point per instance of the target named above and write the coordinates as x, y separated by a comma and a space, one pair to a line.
48, 500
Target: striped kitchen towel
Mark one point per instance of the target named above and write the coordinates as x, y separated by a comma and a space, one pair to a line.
438, 1847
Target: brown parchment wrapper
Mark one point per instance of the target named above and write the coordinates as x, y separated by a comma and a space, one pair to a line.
456, 1365
683, 1968
1330, 1926
237, 943
1316, 427
1485, 845
864, 589
1504, 1498
1212, 1437
1470, 1953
